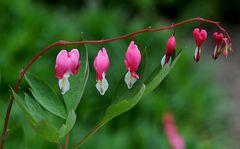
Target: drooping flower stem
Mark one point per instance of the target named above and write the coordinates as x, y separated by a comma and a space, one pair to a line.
65, 43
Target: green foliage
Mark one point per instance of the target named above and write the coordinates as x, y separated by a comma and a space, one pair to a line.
46, 96
78, 82
158, 75
38, 112
127, 100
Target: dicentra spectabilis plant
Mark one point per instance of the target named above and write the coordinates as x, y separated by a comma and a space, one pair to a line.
45, 107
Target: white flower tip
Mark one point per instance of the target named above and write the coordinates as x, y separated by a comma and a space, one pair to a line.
197, 54
102, 86
64, 84
129, 80
163, 61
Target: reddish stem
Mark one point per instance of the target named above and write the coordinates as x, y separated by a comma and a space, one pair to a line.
66, 141
62, 42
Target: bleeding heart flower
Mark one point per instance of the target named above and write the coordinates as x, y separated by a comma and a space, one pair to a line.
101, 63
132, 61
66, 63
174, 138
218, 38
200, 35
226, 46
170, 47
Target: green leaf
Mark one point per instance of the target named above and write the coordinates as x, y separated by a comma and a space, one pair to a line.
34, 108
41, 126
158, 75
46, 96
142, 67
47, 130
77, 83
23, 107
65, 128
125, 100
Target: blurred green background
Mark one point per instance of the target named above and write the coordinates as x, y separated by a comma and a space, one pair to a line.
193, 92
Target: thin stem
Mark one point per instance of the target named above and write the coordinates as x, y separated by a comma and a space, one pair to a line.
59, 145
88, 135
64, 43
66, 141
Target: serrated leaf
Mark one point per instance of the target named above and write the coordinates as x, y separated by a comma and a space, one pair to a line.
77, 83
158, 75
46, 96
65, 128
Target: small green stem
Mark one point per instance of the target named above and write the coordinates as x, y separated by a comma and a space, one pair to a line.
59, 145
89, 134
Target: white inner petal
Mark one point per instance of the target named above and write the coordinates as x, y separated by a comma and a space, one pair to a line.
129, 80
102, 85
215, 51
163, 60
196, 52
64, 84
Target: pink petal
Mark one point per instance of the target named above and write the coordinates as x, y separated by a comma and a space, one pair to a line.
74, 56
101, 63
63, 64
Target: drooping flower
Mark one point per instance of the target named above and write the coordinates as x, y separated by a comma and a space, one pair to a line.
226, 46
218, 38
66, 63
101, 63
174, 138
170, 47
200, 35
132, 61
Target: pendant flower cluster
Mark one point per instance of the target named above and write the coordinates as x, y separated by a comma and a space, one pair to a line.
68, 62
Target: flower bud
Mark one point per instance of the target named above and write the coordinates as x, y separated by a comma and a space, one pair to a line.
226, 46
66, 63
170, 47
218, 37
101, 63
132, 62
